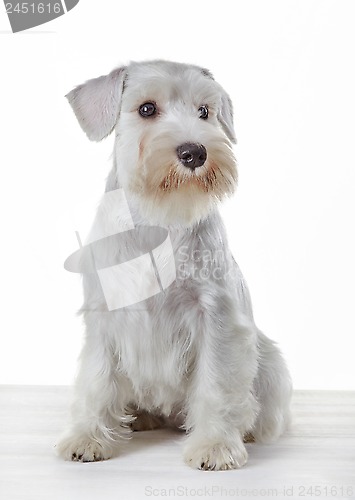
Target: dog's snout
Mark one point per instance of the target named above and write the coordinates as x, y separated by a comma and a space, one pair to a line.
192, 155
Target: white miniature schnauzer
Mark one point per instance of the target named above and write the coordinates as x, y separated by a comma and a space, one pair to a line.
192, 358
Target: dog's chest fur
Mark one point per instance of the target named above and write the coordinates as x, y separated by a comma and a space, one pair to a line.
153, 340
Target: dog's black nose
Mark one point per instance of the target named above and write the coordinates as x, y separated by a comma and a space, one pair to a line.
192, 155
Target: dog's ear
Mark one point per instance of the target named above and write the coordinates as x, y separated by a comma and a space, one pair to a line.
97, 103
225, 112
225, 116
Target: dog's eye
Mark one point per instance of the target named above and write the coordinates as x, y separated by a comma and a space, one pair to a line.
147, 109
203, 112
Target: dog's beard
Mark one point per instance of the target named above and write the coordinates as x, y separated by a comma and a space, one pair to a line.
172, 193
210, 179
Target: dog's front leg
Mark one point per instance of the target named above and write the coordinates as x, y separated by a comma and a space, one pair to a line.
221, 406
99, 422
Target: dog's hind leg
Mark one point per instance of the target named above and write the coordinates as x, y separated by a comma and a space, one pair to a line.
145, 421
273, 389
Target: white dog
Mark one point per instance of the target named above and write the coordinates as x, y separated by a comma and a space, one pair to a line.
192, 356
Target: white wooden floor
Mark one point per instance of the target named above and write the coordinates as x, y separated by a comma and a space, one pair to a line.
315, 459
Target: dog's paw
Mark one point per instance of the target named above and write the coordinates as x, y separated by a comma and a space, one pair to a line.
217, 456
270, 426
83, 449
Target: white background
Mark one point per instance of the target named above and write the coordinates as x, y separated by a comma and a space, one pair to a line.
289, 68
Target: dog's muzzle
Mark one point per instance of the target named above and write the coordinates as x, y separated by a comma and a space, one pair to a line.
192, 155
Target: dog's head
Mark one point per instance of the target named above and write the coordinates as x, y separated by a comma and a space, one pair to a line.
174, 128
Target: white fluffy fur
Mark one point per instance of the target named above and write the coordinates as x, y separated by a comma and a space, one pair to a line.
191, 356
